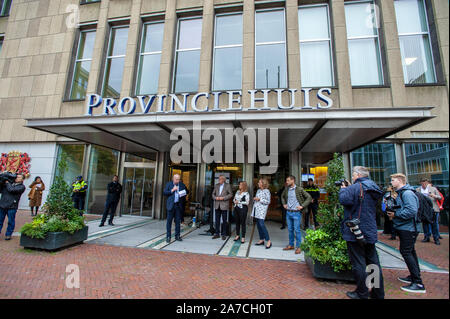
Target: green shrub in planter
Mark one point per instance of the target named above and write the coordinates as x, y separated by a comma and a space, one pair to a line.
59, 214
326, 244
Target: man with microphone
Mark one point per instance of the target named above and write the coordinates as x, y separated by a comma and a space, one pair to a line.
176, 193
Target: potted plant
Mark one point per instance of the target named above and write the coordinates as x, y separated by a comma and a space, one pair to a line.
325, 249
61, 224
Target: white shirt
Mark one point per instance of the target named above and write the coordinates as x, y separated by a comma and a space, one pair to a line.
221, 188
425, 191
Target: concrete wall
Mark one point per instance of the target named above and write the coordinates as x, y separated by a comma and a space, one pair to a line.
43, 156
36, 54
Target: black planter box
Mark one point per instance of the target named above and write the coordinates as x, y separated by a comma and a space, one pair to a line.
325, 271
54, 240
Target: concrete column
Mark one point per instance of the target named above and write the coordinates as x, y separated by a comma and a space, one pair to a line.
295, 164
160, 179
165, 71
132, 47
394, 58
400, 159
248, 177
248, 51
207, 47
95, 74
347, 166
440, 12
341, 51
293, 46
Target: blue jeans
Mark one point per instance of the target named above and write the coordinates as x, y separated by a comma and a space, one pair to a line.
262, 230
294, 220
11, 220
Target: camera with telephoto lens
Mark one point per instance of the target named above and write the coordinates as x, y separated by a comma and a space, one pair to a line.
340, 182
353, 224
390, 202
7, 176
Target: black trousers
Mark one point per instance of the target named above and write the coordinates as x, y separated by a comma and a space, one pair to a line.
78, 202
221, 213
241, 219
408, 251
110, 209
312, 208
360, 257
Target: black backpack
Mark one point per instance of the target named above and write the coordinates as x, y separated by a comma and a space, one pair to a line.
426, 211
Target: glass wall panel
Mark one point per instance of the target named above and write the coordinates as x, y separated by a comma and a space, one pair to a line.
82, 64
74, 154
5, 6
150, 58
187, 60
414, 37
270, 51
103, 166
112, 83
316, 64
363, 44
227, 73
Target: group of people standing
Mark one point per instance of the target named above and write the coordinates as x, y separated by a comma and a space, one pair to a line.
295, 201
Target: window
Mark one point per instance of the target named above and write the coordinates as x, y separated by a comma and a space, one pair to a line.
82, 64
316, 64
363, 44
270, 50
415, 45
112, 82
74, 154
150, 58
187, 56
5, 6
227, 72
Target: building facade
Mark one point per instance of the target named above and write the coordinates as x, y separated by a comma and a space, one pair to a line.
107, 83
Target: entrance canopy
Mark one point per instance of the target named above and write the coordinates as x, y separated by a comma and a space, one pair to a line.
316, 133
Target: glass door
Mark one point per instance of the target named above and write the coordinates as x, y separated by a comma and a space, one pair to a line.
138, 191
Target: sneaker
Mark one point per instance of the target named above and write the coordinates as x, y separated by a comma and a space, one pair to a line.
352, 295
406, 280
426, 240
168, 240
215, 236
8, 238
101, 225
437, 242
179, 239
416, 288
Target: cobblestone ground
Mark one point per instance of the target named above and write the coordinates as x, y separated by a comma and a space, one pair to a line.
119, 272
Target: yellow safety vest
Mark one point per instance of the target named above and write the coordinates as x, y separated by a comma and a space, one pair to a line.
77, 186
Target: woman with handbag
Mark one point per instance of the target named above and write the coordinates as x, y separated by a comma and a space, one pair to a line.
241, 201
35, 195
260, 206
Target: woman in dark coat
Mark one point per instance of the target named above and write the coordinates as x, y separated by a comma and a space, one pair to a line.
35, 195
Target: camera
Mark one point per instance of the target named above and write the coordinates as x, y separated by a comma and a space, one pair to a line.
340, 182
353, 224
7, 176
390, 202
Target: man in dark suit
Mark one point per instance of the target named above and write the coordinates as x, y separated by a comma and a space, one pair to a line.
112, 199
176, 193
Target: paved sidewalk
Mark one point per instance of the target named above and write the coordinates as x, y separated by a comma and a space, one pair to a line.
122, 272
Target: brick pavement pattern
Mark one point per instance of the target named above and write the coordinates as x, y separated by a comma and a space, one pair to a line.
121, 272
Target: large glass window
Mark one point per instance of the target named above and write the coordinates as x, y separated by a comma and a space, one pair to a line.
74, 154
103, 165
115, 59
414, 37
270, 49
227, 73
150, 58
82, 64
363, 44
5, 6
379, 158
1, 44
187, 59
316, 65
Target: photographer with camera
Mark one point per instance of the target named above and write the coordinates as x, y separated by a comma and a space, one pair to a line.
405, 224
11, 188
359, 230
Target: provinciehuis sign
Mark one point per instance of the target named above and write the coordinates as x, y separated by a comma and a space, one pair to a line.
145, 104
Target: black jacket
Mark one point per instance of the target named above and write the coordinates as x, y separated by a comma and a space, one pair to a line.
114, 190
11, 195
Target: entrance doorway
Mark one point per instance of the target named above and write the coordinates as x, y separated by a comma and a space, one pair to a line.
138, 184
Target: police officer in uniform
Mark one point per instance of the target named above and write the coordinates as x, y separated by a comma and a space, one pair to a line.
79, 188
314, 191
112, 199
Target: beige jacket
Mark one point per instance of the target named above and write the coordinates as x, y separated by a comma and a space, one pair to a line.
434, 191
226, 193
